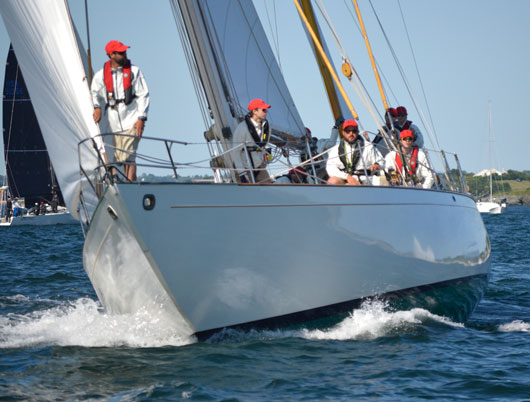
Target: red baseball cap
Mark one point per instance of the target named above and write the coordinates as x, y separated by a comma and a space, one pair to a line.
406, 133
257, 104
349, 123
401, 110
115, 46
393, 112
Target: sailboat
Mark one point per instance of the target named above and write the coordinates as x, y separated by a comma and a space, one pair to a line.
30, 182
491, 206
210, 256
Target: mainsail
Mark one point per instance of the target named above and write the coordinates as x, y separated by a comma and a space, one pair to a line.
44, 40
237, 50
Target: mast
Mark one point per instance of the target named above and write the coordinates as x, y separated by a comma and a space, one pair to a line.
88, 51
324, 72
490, 152
325, 59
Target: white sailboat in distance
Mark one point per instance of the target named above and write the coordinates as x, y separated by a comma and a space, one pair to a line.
490, 206
209, 256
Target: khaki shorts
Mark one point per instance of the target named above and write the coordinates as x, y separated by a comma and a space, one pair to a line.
125, 147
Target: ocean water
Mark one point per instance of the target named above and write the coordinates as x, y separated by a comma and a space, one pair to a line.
57, 344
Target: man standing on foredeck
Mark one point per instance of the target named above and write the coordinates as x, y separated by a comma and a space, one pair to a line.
121, 102
254, 132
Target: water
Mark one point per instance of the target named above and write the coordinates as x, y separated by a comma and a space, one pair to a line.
57, 344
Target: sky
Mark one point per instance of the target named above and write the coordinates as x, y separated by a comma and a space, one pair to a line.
468, 53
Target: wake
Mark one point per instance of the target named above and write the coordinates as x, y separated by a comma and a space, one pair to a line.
83, 323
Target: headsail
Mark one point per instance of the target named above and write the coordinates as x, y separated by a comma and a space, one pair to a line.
44, 40
243, 60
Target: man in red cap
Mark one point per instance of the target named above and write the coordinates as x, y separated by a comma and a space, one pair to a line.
121, 102
353, 159
416, 169
254, 132
403, 124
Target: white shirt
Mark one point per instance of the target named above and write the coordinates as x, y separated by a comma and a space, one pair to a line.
423, 168
123, 116
369, 156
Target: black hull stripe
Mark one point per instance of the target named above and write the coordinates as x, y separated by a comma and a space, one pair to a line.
301, 317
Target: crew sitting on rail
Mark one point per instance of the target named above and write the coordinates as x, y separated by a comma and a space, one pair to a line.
353, 160
295, 175
254, 131
417, 171
403, 124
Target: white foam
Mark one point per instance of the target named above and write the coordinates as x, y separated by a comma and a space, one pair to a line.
515, 326
373, 321
83, 323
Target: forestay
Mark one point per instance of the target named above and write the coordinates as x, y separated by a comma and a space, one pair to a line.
247, 64
42, 35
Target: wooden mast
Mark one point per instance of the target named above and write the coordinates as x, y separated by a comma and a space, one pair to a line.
324, 72
325, 59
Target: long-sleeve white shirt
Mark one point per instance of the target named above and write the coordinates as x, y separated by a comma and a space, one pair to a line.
122, 117
423, 168
369, 156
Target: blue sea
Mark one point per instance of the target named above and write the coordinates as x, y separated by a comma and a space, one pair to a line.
56, 343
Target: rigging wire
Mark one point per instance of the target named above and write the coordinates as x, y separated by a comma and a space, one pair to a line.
357, 84
387, 82
408, 86
416, 65
6, 155
274, 32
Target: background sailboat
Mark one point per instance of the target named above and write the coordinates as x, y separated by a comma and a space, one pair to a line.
29, 174
491, 206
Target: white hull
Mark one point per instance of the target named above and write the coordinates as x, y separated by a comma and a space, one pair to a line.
487, 207
59, 218
224, 255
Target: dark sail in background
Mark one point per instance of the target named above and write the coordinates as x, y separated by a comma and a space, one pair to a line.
28, 169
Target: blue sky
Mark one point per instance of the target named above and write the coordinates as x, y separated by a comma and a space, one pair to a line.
468, 53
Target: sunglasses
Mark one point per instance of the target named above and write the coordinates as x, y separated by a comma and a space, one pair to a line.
265, 110
121, 53
351, 130
401, 114
407, 139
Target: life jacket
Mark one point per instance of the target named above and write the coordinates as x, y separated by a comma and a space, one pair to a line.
413, 163
349, 166
406, 125
109, 84
254, 133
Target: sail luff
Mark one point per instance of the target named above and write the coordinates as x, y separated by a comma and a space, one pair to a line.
44, 41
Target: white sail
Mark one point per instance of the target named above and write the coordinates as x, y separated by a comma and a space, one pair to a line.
247, 64
45, 44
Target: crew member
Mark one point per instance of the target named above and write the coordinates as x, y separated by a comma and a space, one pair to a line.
403, 124
121, 102
254, 132
353, 158
416, 167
